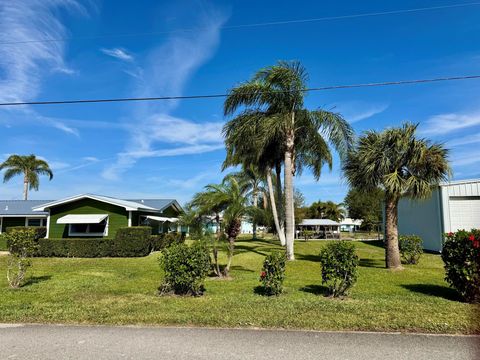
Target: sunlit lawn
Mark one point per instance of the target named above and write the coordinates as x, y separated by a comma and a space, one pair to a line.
123, 291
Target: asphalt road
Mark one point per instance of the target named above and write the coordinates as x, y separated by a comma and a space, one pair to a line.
90, 342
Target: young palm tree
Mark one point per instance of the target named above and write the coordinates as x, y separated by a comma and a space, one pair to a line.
278, 93
403, 166
251, 184
30, 166
226, 198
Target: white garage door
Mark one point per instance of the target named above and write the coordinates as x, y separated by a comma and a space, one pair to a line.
464, 213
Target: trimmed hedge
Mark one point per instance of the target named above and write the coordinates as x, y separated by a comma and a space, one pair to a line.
162, 241
40, 231
128, 242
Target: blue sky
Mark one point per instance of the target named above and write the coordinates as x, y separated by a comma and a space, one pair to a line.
172, 149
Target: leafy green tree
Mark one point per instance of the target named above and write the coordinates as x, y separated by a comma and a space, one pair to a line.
365, 206
228, 199
273, 102
326, 210
28, 166
401, 164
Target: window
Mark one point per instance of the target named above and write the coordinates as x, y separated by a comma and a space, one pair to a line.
100, 229
35, 222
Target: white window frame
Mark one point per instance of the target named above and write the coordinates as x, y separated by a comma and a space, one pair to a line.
43, 221
105, 232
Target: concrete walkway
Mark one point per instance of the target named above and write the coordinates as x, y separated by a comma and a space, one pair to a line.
85, 342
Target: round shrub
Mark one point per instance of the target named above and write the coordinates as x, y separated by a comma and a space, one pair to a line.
411, 248
185, 268
273, 273
339, 265
22, 246
461, 255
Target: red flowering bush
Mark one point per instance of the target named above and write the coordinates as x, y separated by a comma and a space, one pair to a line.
273, 273
461, 255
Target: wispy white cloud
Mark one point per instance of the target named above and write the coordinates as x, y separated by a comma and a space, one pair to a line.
447, 123
25, 64
464, 140
118, 53
354, 111
156, 132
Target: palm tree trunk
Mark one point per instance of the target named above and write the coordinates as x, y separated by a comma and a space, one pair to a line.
289, 211
281, 234
231, 248
392, 251
255, 205
279, 199
215, 247
25, 187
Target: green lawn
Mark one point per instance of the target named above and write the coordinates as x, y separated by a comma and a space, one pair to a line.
122, 291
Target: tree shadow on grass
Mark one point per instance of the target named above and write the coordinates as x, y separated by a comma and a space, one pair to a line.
240, 268
308, 257
36, 279
434, 290
260, 250
379, 264
376, 243
315, 289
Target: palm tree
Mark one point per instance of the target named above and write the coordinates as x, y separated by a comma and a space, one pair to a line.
401, 164
251, 184
277, 92
226, 198
30, 166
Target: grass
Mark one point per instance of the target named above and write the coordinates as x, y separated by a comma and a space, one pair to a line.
122, 291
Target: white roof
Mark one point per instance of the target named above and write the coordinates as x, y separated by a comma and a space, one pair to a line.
350, 221
315, 222
127, 205
82, 219
458, 182
162, 219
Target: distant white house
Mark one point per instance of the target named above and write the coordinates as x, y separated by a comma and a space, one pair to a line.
321, 228
349, 224
453, 206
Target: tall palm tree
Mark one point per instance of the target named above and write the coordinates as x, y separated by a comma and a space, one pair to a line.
401, 164
244, 147
226, 198
278, 93
30, 167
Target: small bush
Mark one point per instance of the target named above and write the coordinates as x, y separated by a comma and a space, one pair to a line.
132, 241
411, 248
273, 273
185, 268
22, 246
339, 267
162, 241
461, 255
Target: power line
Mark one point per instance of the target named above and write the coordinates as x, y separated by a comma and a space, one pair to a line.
210, 96
252, 25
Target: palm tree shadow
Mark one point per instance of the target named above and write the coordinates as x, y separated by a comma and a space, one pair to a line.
315, 289
308, 257
434, 290
241, 268
36, 279
379, 264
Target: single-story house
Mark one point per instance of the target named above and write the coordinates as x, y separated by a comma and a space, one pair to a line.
453, 206
20, 213
89, 215
322, 228
350, 225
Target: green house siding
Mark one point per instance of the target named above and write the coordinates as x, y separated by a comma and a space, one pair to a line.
12, 221
117, 216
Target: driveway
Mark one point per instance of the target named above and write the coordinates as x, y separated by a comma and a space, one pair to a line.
92, 342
